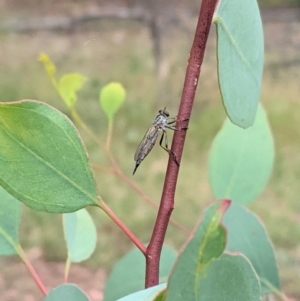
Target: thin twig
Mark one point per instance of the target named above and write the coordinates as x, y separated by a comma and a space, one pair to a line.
190, 84
32, 271
118, 173
150, 201
129, 234
103, 168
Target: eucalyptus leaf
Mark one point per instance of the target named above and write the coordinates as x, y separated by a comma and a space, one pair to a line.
69, 85
203, 248
229, 277
240, 161
81, 236
121, 283
66, 292
247, 235
43, 162
10, 213
111, 98
240, 55
146, 294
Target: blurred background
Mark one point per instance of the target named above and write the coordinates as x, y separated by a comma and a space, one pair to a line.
145, 45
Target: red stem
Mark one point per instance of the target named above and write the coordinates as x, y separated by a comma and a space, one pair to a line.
32, 271
128, 233
190, 85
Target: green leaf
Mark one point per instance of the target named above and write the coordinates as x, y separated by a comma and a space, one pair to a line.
10, 211
205, 246
121, 282
66, 292
241, 161
160, 296
68, 86
146, 294
80, 234
247, 235
49, 66
240, 54
43, 162
230, 277
111, 98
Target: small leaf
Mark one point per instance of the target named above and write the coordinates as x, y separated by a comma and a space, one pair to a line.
146, 294
10, 210
69, 84
121, 283
66, 292
49, 66
240, 54
206, 245
43, 162
80, 234
230, 277
241, 161
111, 98
247, 235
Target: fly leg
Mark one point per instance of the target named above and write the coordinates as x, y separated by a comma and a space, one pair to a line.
164, 135
173, 121
166, 148
175, 129
169, 126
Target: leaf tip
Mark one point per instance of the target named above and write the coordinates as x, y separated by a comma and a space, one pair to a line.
224, 206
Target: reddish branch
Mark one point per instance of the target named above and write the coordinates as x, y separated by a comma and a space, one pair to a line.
190, 84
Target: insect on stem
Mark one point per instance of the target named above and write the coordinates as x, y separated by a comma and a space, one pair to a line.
159, 124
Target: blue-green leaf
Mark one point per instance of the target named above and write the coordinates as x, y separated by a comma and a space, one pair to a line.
66, 292
121, 282
146, 294
80, 234
230, 277
247, 235
241, 161
240, 54
10, 210
203, 248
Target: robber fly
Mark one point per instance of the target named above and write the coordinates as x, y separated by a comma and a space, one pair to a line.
159, 124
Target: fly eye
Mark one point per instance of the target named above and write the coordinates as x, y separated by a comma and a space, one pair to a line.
164, 112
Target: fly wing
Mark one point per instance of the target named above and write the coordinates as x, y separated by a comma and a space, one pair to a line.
146, 144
